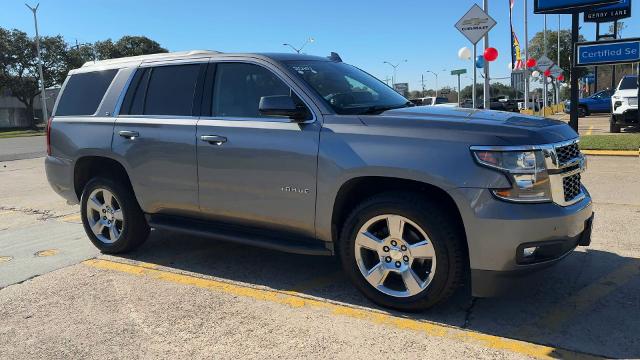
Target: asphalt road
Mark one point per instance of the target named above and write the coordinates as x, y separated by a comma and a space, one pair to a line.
18, 148
183, 296
596, 124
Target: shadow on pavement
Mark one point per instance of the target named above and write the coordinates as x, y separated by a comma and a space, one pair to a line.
590, 302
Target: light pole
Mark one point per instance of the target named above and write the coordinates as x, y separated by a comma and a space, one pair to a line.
299, 50
395, 69
526, 58
436, 75
43, 96
487, 86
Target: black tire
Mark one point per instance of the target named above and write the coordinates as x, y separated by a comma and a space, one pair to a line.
446, 237
583, 111
135, 229
613, 127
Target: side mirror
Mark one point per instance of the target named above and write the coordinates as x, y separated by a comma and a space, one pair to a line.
282, 105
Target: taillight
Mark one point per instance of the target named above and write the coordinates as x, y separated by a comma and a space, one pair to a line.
49, 136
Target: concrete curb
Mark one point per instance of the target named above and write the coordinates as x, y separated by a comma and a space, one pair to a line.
635, 153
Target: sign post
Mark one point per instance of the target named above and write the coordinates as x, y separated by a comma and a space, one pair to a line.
474, 25
459, 72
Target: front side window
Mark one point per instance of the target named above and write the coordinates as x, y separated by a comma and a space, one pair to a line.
629, 82
238, 88
347, 89
84, 92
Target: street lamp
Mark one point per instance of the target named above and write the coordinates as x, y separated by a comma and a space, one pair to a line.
299, 50
42, 93
436, 75
395, 69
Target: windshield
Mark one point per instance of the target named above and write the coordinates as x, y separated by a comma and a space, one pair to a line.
629, 82
347, 89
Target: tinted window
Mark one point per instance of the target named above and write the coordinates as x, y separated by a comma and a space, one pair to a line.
238, 88
629, 82
84, 92
171, 89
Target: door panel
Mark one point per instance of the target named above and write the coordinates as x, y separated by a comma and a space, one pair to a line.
263, 175
161, 162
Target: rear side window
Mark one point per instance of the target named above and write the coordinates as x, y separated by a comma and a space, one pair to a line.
163, 90
84, 92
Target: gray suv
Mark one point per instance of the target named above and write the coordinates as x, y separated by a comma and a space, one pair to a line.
310, 155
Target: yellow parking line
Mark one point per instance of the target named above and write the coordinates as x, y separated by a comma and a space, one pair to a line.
584, 299
71, 218
297, 301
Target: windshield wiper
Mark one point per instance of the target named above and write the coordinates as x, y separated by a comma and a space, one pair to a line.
378, 109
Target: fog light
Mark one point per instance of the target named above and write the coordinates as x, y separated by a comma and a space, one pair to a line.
528, 252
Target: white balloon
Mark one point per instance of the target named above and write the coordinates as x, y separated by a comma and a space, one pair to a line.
536, 73
464, 53
549, 79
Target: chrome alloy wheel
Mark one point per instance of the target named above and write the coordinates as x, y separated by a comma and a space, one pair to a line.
395, 255
104, 215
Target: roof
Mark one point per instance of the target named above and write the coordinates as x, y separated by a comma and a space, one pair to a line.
111, 63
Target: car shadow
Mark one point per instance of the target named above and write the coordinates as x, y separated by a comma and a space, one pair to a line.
589, 302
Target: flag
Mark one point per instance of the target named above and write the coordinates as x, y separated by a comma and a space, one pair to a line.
516, 57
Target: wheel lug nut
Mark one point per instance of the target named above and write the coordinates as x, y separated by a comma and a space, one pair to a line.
386, 249
104, 218
393, 243
104, 211
405, 258
398, 264
388, 259
403, 248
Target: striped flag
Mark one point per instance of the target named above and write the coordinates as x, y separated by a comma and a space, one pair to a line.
516, 56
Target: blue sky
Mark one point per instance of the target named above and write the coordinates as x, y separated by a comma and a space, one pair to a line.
364, 33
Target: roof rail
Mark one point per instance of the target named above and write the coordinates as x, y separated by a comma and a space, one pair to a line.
158, 56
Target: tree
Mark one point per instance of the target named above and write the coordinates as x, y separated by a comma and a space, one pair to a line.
621, 26
19, 65
536, 48
497, 89
127, 46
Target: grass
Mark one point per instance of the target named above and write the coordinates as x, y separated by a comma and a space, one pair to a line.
19, 133
610, 142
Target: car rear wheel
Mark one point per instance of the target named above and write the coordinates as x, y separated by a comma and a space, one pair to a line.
112, 217
613, 127
582, 111
402, 252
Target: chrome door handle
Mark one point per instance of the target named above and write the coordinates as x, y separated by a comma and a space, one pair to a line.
128, 134
214, 139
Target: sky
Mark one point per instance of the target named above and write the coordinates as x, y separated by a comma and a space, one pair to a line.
365, 33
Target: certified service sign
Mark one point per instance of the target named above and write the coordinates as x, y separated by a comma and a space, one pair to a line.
607, 52
475, 24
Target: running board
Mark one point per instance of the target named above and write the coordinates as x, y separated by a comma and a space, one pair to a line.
236, 234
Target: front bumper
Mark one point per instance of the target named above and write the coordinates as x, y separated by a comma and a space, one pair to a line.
498, 231
627, 117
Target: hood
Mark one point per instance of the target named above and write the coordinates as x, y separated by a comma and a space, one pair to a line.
627, 93
481, 127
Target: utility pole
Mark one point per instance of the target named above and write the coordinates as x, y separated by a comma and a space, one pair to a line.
43, 96
436, 75
544, 77
573, 117
558, 63
487, 86
526, 58
395, 69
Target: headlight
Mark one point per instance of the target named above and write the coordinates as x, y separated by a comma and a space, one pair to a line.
524, 169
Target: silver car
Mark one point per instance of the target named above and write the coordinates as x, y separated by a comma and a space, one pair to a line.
310, 155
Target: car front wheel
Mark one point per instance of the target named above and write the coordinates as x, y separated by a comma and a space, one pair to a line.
402, 252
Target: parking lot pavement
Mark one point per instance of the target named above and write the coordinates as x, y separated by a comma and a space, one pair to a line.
19, 148
596, 124
182, 295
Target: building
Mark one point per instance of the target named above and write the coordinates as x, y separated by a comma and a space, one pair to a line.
13, 113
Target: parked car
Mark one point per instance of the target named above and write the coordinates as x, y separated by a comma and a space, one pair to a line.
313, 156
429, 100
625, 104
599, 102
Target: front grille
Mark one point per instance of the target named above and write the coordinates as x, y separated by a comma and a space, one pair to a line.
567, 153
571, 187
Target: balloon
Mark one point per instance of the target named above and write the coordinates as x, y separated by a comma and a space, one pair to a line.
490, 54
531, 63
536, 73
549, 79
480, 61
464, 53
547, 73
561, 77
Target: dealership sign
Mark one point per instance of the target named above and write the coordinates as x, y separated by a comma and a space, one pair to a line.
567, 6
608, 13
475, 24
607, 52
544, 63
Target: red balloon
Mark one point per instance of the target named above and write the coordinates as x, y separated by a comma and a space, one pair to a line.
531, 63
561, 77
490, 54
547, 73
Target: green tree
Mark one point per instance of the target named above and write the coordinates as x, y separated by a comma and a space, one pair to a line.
19, 65
127, 46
